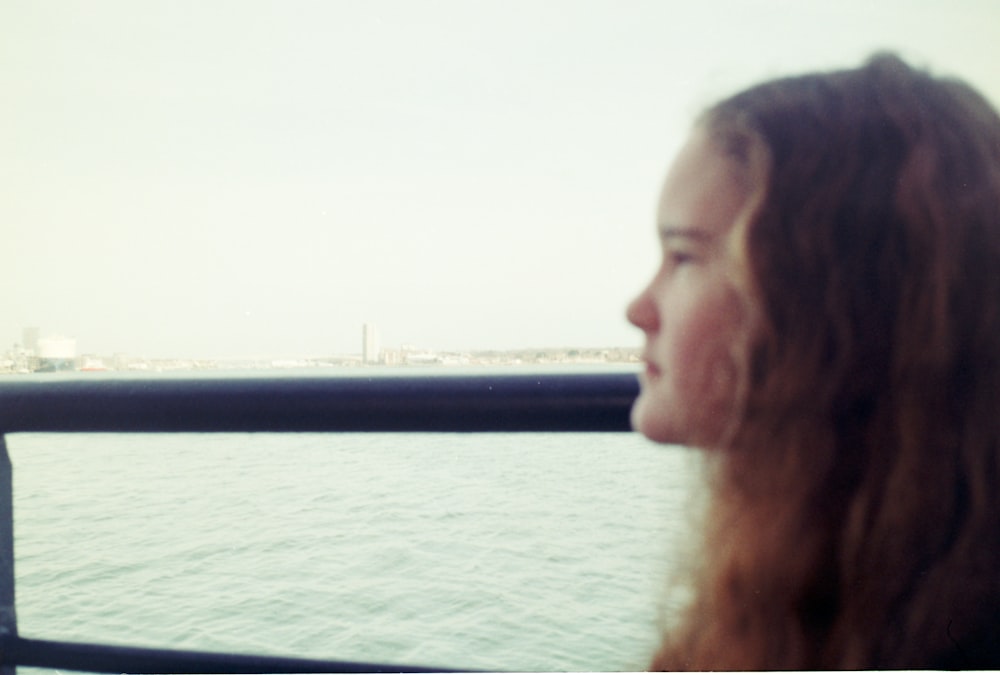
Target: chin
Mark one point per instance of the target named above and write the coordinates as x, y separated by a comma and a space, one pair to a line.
648, 419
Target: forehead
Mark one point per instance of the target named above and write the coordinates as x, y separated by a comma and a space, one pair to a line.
704, 190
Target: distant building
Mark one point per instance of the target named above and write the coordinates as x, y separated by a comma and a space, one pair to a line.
370, 352
29, 339
56, 353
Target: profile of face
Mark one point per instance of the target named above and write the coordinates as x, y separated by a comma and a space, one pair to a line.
690, 312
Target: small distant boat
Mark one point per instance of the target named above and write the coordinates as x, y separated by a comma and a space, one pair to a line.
92, 365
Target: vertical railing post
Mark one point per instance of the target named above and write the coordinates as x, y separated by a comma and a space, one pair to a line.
8, 617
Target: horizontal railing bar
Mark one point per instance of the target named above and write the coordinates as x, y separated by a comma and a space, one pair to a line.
117, 659
480, 403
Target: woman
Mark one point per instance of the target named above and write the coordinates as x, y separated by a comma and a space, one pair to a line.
825, 324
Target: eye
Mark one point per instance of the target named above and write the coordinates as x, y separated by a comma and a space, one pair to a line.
678, 257
682, 246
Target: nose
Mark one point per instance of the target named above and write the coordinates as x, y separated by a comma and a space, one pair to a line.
642, 313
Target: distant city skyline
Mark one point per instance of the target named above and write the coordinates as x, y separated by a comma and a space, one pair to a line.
369, 350
41, 353
238, 179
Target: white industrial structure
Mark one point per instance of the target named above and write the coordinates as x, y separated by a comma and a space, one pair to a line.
370, 352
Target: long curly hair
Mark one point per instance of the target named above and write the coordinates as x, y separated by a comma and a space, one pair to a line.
854, 519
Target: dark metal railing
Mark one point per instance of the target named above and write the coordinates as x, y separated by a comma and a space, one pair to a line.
482, 403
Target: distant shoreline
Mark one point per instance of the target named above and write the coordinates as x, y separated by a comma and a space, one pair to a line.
387, 358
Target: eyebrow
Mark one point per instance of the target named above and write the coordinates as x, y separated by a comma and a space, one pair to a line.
667, 232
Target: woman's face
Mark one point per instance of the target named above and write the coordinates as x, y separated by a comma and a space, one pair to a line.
689, 311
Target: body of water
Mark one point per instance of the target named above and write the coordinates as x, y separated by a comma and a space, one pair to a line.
489, 551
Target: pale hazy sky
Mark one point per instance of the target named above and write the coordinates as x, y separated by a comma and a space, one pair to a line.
250, 178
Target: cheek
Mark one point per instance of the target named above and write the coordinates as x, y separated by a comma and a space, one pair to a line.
692, 399
700, 352
703, 383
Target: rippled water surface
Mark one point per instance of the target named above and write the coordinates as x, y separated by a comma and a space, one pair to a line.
499, 552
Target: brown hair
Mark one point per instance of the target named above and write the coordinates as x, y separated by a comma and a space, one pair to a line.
855, 515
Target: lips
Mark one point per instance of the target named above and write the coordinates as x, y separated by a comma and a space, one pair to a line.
652, 370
